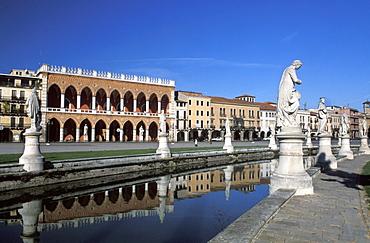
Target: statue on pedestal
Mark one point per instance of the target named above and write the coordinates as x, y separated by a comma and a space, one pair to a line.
227, 127
33, 110
162, 122
288, 97
363, 131
322, 115
344, 124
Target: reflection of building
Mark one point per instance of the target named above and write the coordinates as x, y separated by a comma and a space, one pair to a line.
113, 106
14, 90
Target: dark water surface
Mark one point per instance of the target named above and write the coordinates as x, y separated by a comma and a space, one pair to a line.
173, 208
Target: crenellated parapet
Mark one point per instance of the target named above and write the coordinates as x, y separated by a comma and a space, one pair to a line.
105, 75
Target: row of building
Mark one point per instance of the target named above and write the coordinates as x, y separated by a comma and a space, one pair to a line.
88, 105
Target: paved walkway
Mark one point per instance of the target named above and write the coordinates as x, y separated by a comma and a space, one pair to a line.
335, 213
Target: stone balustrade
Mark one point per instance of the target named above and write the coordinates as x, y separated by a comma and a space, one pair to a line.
107, 75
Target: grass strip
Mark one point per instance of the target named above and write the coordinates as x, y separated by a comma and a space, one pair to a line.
14, 158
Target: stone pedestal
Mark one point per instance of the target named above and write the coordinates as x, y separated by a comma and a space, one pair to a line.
364, 147
228, 146
345, 148
163, 146
272, 144
290, 173
325, 157
32, 159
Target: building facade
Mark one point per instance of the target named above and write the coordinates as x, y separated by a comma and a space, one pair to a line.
88, 105
14, 90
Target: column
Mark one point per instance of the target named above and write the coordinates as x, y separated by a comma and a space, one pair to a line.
93, 134
61, 132
134, 135
135, 105
122, 104
147, 106
77, 134
147, 135
108, 104
159, 107
186, 136
93, 103
78, 101
62, 100
121, 135
107, 133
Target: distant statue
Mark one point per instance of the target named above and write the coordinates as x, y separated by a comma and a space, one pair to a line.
86, 129
363, 130
227, 127
288, 97
162, 121
344, 124
33, 110
272, 132
308, 131
141, 131
322, 115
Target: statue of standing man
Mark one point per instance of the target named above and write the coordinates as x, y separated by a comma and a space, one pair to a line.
33, 110
288, 97
344, 124
322, 115
162, 122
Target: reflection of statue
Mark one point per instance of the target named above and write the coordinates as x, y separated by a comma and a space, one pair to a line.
322, 115
227, 126
344, 124
288, 97
363, 130
162, 121
33, 110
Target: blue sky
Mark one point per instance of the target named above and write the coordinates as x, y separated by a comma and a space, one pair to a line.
216, 47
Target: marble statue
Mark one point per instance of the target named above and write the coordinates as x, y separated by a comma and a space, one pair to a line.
344, 124
363, 130
162, 121
322, 115
141, 131
227, 126
288, 97
33, 110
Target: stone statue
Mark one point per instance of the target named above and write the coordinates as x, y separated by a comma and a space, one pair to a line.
322, 115
33, 110
363, 130
162, 121
344, 124
141, 131
227, 127
288, 97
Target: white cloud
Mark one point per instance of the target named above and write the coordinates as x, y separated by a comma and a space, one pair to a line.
289, 37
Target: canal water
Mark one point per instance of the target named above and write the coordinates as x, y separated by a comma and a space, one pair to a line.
183, 207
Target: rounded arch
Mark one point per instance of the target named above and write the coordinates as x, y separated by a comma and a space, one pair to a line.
100, 131
85, 130
70, 97
113, 196
69, 131
129, 102
84, 200
127, 193
141, 102
86, 98
54, 95
115, 101
127, 131
53, 126
153, 131
152, 189
165, 104
181, 136
101, 99
140, 191
113, 131
140, 131
153, 104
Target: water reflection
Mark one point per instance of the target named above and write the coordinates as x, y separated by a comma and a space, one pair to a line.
153, 199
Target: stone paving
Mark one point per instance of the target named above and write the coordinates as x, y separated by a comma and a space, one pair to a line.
335, 213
